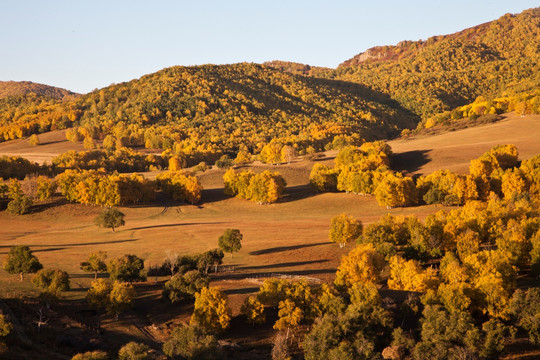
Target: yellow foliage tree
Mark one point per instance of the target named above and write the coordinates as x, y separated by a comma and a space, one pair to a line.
211, 310
272, 153
362, 264
513, 183
242, 158
323, 178
290, 315
253, 310
494, 276
344, 229
393, 191
408, 275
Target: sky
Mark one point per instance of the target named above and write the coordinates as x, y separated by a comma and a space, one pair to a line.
82, 45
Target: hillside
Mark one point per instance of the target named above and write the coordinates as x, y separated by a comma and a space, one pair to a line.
427, 77
208, 110
16, 88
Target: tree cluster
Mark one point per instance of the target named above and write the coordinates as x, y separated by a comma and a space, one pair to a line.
91, 187
180, 186
121, 160
263, 188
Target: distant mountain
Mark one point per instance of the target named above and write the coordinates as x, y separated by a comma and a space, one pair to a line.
16, 88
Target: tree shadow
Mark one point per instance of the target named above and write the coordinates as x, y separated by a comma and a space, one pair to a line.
410, 161
64, 246
285, 248
298, 192
52, 142
242, 291
35, 209
262, 275
213, 195
281, 265
174, 225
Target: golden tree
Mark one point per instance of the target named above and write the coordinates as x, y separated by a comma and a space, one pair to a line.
345, 229
211, 309
362, 264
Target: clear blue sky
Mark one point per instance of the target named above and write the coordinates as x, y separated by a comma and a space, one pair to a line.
82, 45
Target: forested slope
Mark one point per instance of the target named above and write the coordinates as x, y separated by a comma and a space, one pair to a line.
213, 109
495, 59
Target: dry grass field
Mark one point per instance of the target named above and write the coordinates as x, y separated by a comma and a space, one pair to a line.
287, 238
454, 150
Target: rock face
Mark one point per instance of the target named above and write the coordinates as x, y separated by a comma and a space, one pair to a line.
394, 353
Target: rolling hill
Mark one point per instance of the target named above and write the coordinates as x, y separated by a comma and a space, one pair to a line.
205, 111
427, 77
494, 59
16, 88
216, 109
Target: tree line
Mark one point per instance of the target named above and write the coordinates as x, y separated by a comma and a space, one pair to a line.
497, 171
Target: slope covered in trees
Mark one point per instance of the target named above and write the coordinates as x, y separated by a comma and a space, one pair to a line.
214, 109
494, 59
222, 107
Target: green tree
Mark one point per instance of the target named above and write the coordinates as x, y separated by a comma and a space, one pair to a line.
184, 286
52, 281
110, 218
352, 334
20, 260
444, 332
524, 307
129, 268
20, 205
345, 229
211, 310
230, 241
191, 343
134, 351
95, 263
224, 162
210, 258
